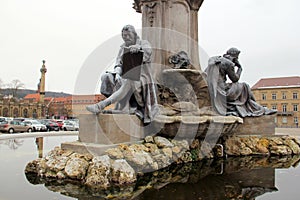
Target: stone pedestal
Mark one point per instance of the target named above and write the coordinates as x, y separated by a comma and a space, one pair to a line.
187, 85
190, 127
170, 27
263, 125
110, 128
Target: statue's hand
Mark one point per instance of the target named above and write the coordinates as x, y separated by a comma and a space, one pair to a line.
237, 63
118, 78
134, 48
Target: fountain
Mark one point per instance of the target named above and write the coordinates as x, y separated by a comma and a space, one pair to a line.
119, 149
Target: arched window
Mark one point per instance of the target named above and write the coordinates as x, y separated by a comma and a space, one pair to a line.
16, 112
25, 113
5, 112
34, 113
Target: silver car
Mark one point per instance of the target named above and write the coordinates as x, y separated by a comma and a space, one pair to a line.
70, 126
15, 126
36, 125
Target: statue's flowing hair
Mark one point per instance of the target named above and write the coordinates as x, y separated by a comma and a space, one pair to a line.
130, 28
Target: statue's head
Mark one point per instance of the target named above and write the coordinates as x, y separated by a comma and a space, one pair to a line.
129, 35
233, 52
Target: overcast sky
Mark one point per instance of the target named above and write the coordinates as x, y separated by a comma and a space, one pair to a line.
66, 32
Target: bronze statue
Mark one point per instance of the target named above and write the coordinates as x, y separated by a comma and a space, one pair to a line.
131, 94
232, 98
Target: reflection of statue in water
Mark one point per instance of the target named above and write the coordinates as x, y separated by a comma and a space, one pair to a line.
131, 96
231, 98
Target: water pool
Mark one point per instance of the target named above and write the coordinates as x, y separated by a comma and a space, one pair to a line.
229, 180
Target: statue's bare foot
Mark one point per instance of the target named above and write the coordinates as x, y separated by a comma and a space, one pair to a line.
95, 108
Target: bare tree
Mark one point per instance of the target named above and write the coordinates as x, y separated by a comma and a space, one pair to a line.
15, 85
1, 85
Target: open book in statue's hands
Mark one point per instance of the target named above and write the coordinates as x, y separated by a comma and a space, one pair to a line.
132, 63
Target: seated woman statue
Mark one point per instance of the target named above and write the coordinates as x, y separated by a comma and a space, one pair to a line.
231, 98
132, 95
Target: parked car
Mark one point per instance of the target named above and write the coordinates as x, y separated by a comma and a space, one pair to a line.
15, 126
36, 125
70, 126
3, 119
51, 125
21, 119
60, 123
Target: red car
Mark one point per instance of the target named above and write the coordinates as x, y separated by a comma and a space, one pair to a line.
60, 123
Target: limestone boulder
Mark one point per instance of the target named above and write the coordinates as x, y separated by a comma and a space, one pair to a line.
149, 139
114, 153
234, 146
32, 166
76, 168
99, 172
152, 148
57, 163
280, 150
162, 160
139, 160
290, 142
122, 172
162, 142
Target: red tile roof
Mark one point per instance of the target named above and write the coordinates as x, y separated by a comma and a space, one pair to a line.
35, 96
292, 81
96, 97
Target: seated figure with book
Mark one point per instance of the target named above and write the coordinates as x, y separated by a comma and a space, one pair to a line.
130, 87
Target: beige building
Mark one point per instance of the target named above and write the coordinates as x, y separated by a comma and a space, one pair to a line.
66, 107
77, 103
282, 94
13, 107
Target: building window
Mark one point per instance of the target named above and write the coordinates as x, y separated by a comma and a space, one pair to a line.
274, 96
264, 97
295, 107
284, 120
274, 107
295, 95
283, 95
284, 108
296, 120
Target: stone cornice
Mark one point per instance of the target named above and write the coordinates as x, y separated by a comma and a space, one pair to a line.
194, 4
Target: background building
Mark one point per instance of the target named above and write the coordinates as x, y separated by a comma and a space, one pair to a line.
66, 107
14, 107
282, 94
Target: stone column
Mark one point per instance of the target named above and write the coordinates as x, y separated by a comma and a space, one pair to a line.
42, 82
170, 26
42, 88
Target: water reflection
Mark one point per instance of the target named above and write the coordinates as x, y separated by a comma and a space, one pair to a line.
40, 146
12, 143
14, 156
234, 178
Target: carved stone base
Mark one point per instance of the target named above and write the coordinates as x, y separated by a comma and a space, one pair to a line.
190, 127
110, 128
91, 148
263, 125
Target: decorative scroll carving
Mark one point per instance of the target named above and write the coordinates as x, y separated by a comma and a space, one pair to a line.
137, 6
180, 60
150, 11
